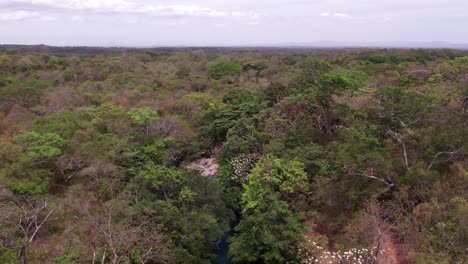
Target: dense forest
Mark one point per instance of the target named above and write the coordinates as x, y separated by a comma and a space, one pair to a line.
233, 155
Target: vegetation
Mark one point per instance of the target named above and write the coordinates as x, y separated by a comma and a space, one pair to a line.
330, 156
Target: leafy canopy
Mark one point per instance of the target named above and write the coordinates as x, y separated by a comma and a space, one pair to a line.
47, 145
224, 68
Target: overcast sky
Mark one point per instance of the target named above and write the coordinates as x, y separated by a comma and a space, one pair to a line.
230, 22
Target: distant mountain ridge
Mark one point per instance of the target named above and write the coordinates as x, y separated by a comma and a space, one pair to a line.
393, 44
319, 45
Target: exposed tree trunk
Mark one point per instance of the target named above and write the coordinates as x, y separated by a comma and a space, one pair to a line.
326, 121
94, 256
30, 223
465, 108
377, 247
354, 172
103, 256
403, 146
23, 255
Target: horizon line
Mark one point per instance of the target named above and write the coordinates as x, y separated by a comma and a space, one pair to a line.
313, 44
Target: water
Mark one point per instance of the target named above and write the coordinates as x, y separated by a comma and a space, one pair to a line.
222, 252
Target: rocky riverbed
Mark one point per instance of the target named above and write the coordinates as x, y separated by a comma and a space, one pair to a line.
207, 167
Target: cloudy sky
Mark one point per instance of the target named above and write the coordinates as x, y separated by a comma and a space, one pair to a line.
230, 22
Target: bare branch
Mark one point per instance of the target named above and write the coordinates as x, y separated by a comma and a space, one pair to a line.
451, 156
363, 174
402, 144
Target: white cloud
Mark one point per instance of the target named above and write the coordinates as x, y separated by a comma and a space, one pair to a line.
341, 15
129, 7
337, 15
279, 21
47, 18
18, 15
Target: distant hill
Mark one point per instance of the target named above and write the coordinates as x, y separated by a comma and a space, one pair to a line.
321, 45
395, 44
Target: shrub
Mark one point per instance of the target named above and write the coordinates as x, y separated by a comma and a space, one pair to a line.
224, 68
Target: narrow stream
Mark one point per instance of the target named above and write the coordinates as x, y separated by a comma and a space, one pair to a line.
222, 253
208, 167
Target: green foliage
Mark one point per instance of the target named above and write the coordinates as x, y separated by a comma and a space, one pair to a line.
312, 71
9, 153
183, 71
435, 78
26, 94
106, 118
26, 187
274, 93
67, 259
143, 115
269, 229
457, 68
224, 68
217, 123
206, 100
336, 83
267, 235
64, 123
377, 58
446, 233
41, 146
147, 88
152, 54
161, 180
305, 142
407, 80
8, 256
243, 137
185, 205
403, 106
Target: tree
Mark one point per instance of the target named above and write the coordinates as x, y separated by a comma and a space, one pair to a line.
113, 231
403, 111
143, 117
224, 68
164, 181
30, 216
107, 118
331, 85
183, 72
243, 138
269, 228
26, 94
457, 68
319, 87
311, 71
41, 146
217, 122
64, 123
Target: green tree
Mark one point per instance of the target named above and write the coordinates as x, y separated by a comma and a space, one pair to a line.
26, 94
162, 180
143, 117
107, 118
269, 228
41, 146
403, 111
183, 72
321, 95
64, 123
224, 68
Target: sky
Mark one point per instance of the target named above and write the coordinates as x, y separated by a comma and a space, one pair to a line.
230, 22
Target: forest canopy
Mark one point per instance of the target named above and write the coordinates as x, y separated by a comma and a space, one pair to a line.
233, 156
